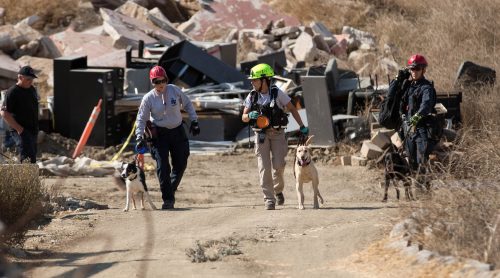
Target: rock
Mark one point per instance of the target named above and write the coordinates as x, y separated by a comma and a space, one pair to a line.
8, 67
86, 17
305, 49
124, 30
235, 14
134, 10
471, 75
160, 20
291, 32
359, 37
87, 204
7, 35
358, 161
370, 150
321, 44
340, 47
34, 21
320, 29
169, 8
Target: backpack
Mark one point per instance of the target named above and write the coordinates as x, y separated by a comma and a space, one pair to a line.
388, 116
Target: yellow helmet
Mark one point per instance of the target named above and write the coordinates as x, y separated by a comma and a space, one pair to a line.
260, 71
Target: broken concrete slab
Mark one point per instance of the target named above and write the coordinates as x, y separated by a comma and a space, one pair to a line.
48, 49
114, 58
71, 43
8, 67
340, 47
321, 44
235, 14
320, 29
305, 48
396, 140
370, 150
8, 35
291, 32
160, 20
358, 37
358, 161
171, 9
127, 31
134, 10
381, 140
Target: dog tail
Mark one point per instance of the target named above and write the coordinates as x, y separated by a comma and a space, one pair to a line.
120, 182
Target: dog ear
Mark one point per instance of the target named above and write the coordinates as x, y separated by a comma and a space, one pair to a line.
309, 140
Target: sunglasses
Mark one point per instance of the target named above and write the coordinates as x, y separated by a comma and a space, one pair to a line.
158, 81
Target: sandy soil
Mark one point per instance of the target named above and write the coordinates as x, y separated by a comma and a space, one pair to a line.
219, 199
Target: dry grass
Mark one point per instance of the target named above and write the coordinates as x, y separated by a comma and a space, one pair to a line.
447, 32
462, 216
21, 195
55, 13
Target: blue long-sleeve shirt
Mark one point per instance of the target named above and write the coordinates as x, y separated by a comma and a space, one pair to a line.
420, 98
164, 109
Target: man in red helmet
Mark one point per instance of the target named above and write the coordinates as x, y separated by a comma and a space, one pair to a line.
417, 109
162, 106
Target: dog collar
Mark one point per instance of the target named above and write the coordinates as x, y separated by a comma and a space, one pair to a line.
131, 179
305, 163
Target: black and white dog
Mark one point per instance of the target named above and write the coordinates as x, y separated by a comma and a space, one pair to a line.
134, 179
396, 168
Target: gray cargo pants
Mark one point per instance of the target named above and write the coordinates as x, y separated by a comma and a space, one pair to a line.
271, 162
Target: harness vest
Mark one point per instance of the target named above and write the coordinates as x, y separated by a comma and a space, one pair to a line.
277, 117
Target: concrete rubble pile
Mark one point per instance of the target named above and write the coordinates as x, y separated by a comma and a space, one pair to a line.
208, 48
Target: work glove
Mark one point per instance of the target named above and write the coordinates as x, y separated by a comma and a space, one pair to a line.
194, 128
304, 130
415, 119
403, 74
253, 115
140, 146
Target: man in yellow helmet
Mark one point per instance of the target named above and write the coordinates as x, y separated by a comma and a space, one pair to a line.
268, 102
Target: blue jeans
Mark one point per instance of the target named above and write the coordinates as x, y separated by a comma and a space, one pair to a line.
26, 145
174, 143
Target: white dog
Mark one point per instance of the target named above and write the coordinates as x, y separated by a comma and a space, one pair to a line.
135, 181
305, 171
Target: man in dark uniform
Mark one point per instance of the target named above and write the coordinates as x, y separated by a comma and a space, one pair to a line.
20, 111
417, 107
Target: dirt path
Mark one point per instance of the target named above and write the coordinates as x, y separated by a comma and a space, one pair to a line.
219, 199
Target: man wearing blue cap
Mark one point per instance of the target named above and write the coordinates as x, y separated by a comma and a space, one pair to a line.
20, 111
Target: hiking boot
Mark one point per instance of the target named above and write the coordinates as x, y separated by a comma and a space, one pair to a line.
167, 205
270, 206
280, 198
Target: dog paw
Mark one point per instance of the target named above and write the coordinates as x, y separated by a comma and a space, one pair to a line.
142, 208
301, 207
125, 210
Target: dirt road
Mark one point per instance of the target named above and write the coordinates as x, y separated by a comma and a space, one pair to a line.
219, 200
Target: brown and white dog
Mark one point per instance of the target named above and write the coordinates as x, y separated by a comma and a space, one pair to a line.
134, 179
304, 172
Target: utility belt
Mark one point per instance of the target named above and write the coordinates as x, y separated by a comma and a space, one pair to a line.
152, 131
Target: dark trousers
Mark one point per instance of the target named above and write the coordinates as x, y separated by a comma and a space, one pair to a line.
174, 143
26, 145
419, 147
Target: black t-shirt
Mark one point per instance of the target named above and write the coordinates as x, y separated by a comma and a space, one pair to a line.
23, 105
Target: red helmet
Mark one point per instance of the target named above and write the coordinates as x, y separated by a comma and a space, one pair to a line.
156, 72
417, 60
